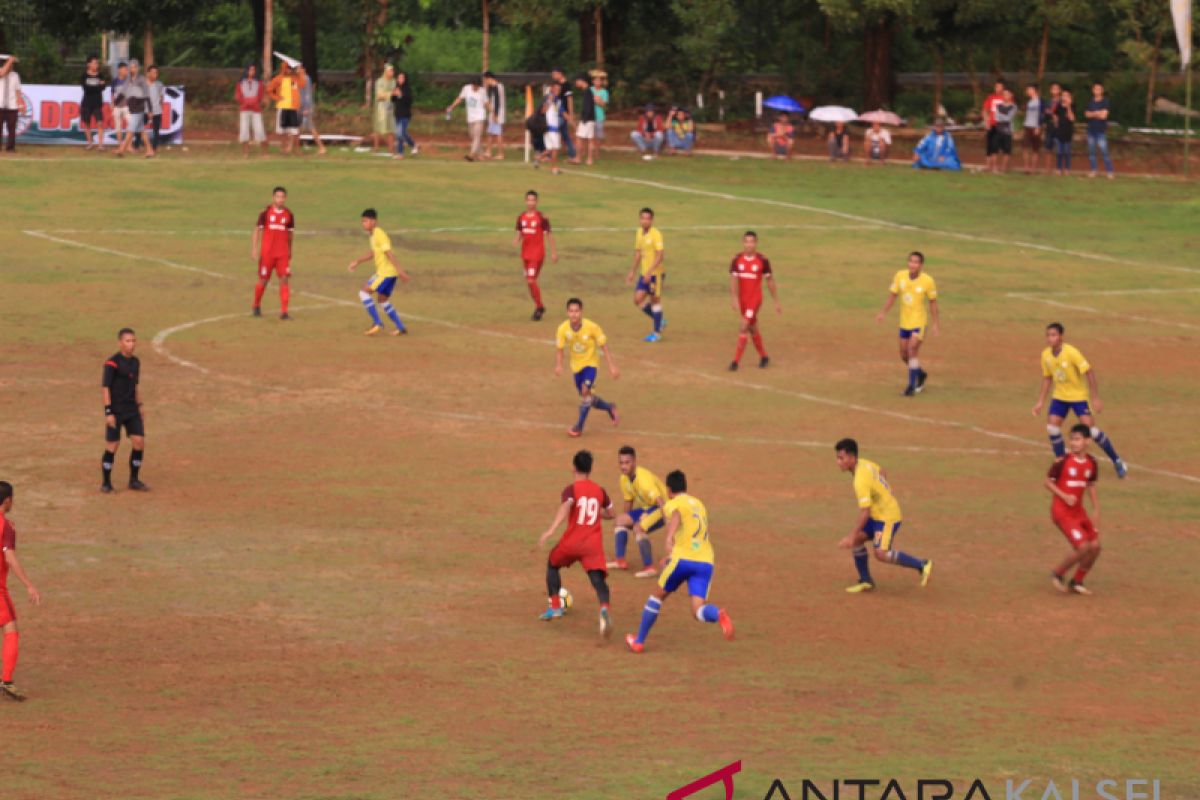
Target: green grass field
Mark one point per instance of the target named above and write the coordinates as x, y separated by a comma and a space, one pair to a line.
331, 591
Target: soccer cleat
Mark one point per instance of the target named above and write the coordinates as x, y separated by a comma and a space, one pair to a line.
551, 614
12, 692
256, 312
619, 563
574, 433
652, 337
605, 624
763, 362
106, 488
1079, 588
400, 332
284, 315
612, 414
1059, 583
909, 391
861, 586
415, 149
374, 329
138, 486
922, 376
733, 365
537, 314
633, 643
648, 572
926, 571
1122, 469
726, 624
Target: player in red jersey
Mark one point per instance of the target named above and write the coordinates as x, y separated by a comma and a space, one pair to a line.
533, 231
746, 275
8, 614
584, 504
272, 250
1068, 478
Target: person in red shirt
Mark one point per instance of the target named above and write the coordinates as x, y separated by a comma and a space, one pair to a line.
272, 250
746, 275
533, 231
1068, 479
8, 614
989, 120
584, 504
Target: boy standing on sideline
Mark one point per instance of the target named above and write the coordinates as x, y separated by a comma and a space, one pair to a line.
1032, 128
155, 92
91, 106
601, 95
475, 98
1097, 129
586, 130
308, 108
8, 613
249, 95
496, 111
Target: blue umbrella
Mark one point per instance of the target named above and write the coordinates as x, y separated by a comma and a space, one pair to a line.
781, 102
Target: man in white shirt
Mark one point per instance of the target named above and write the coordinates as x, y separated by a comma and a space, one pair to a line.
10, 101
876, 143
475, 98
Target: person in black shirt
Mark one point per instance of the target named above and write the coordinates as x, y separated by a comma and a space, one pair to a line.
586, 130
123, 409
402, 100
566, 106
1064, 131
91, 107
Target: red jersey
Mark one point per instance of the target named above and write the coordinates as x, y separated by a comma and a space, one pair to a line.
277, 226
8, 541
1072, 475
989, 106
587, 500
533, 226
750, 271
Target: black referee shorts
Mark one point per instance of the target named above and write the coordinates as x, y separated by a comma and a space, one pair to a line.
132, 423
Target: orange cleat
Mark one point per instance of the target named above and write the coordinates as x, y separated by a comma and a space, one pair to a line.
726, 624
633, 643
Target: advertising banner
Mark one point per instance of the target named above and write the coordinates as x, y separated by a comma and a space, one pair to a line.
50, 115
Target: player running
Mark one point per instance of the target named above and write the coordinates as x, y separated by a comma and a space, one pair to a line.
533, 231
1065, 367
272, 250
584, 337
584, 504
878, 520
747, 272
8, 613
1067, 479
648, 255
913, 287
691, 561
383, 282
644, 496
123, 409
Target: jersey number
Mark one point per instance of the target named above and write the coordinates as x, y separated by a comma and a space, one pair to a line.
589, 511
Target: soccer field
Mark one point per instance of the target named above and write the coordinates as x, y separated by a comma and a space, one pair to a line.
332, 590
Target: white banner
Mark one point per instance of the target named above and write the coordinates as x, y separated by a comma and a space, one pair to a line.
1181, 11
50, 115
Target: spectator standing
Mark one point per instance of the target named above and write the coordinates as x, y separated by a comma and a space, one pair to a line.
782, 137
1004, 112
120, 108
989, 119
249, 94
600, 93
839, 143
1097, 129
475, 99
1032, 128
284, 91
649, 134
308, 108
91, 105
496, 113
566, 108
10, 101
156, 93
1064, 131
138, 93
384, 121
681, 131
586, 130
1049, 123
876, 143
402, 99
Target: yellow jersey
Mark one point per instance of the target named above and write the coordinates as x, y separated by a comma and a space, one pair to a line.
583, 344
873, 492
645, 490
381, 245
691, 537
1068, 369
649, 244
913, 293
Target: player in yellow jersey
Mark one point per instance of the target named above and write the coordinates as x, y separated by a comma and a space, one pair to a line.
383, 282
585, 339
1074, 381
878, 519
913, 287
644, 496
647, 267
691, 561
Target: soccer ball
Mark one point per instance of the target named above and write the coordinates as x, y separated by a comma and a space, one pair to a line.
568, 599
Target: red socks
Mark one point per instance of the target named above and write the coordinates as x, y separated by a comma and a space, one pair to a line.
758, 345
285, 294
535, 293
258, 293
1080, 574
11, 646
741, 348
556, 601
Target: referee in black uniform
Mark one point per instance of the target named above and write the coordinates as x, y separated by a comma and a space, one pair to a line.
123, 409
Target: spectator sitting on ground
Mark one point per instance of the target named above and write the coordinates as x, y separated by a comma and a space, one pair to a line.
782, 136
839, 143
876, 143
649, 134
936, 150
249, 94
681, 131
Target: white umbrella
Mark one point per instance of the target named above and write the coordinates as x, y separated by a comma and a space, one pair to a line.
291, 62
832, 114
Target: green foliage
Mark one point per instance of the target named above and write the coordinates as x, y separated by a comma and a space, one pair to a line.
421, 48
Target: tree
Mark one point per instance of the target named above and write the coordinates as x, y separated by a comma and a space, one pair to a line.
877, 21
1142, 27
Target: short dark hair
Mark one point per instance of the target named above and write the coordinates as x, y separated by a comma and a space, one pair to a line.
152, 66
574, 301
123, 64
531, 192
920, 256
749, 233
1033, 85
1082, 429
583, 462
1001, 81
1058, 326
846, 445
121, 333
489, 74
279, 189
6, 490
92, 57
557, 69
627, 450
646, 210
370, 213
676, 481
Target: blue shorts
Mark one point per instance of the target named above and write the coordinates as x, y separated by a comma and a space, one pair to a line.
698, 574
881, 533
650, 284
908, 333
383, 286
1060, 408
653, 516
585, 376
495, 129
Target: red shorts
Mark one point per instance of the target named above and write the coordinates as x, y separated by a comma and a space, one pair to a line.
566, 553
533, 268
751, 312
8, 612
277, 264
1077, 527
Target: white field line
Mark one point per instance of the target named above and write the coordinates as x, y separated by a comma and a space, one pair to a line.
719, 379
880, 222
1106, 292
1100, 312
461, 229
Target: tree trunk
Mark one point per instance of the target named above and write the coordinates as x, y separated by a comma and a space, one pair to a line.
599, 16
487, 36
1153, 76
377, 11
1041, 70
257, 10
148, 45
879, 73
939, 70
587, 36
268, 28
308, 38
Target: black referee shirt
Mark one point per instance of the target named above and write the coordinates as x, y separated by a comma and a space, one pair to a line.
121, 378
